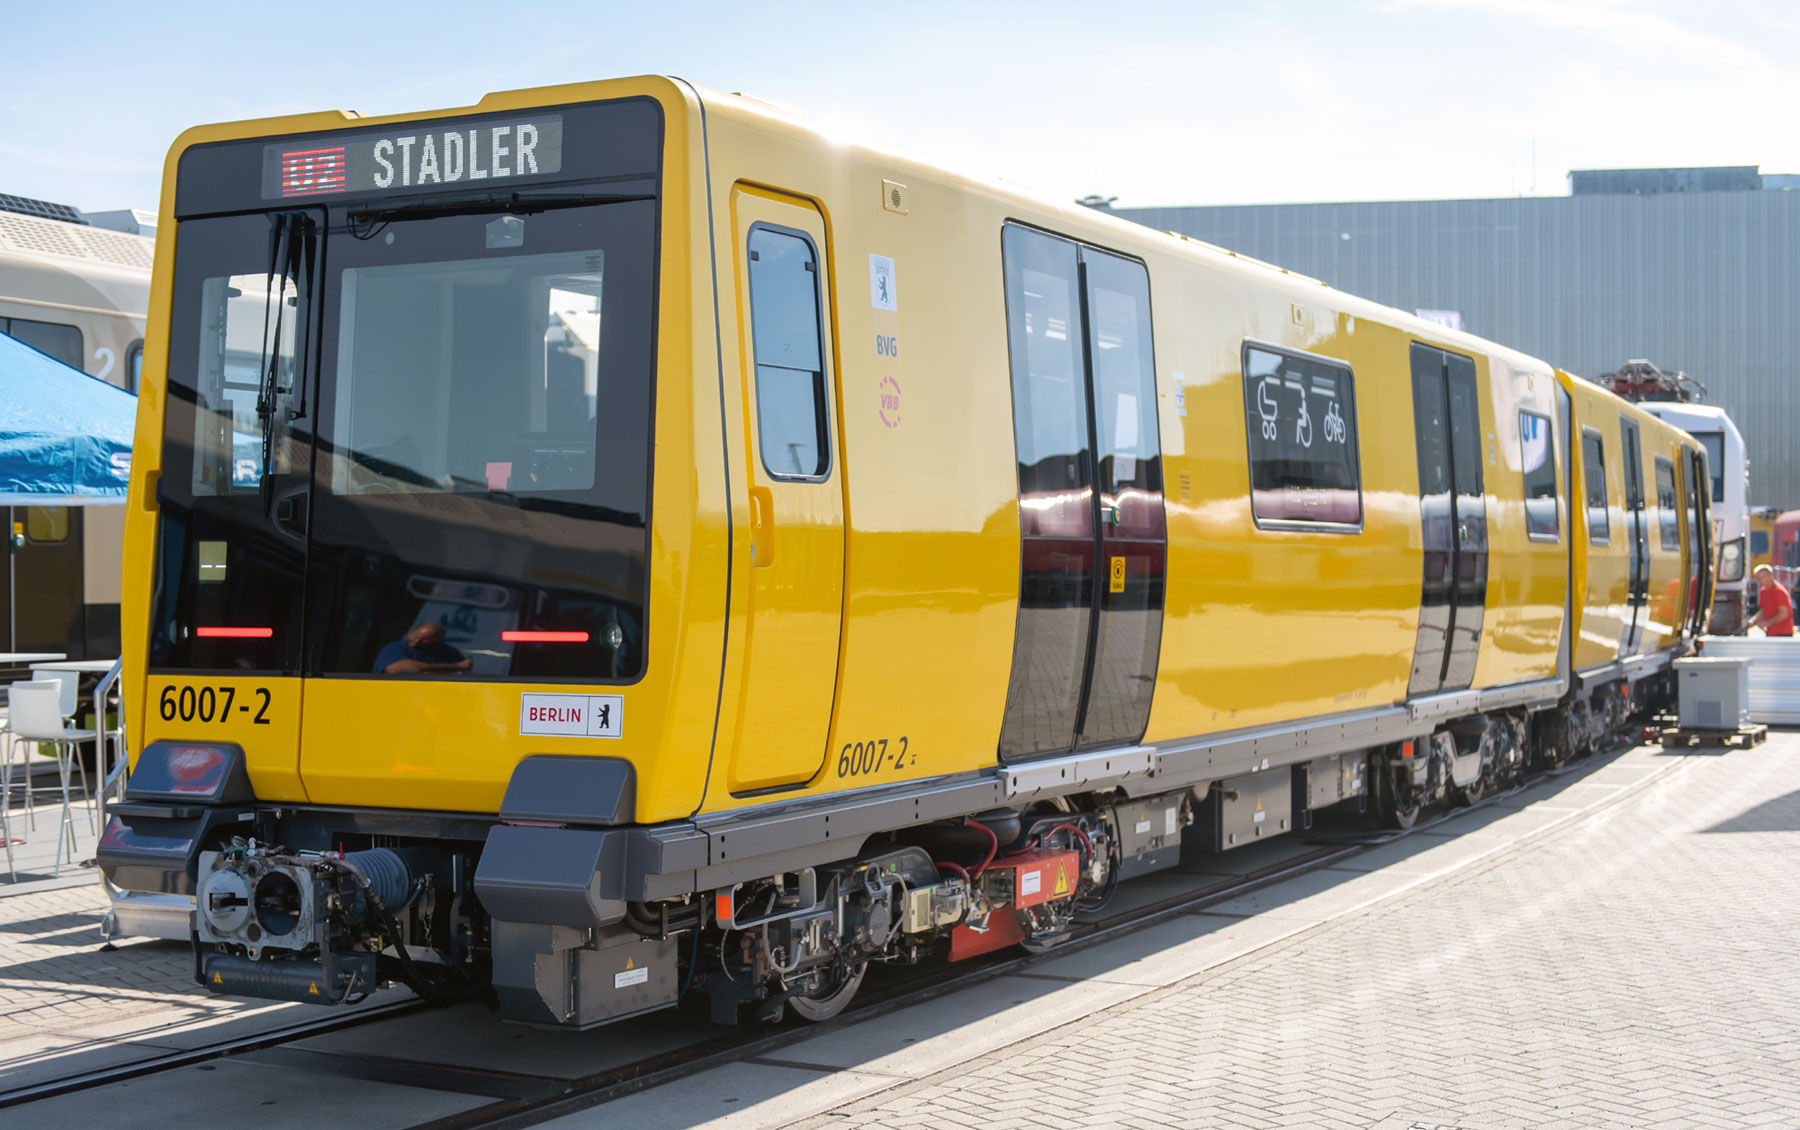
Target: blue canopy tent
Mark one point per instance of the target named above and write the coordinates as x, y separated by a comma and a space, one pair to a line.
65, 437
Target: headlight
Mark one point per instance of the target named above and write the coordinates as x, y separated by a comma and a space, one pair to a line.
1731, 560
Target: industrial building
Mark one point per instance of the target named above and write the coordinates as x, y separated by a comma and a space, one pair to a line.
1694, 269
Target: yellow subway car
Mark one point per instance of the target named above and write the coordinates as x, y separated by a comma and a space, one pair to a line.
658, 544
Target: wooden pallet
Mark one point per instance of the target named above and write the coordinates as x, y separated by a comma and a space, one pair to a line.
1677, 738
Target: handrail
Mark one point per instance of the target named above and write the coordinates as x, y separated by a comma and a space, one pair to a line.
109, 743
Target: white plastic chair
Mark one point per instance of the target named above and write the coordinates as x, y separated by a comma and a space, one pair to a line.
35, 714
7, 739
68, 689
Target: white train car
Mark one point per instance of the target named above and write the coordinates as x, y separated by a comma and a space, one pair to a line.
79, 293
1729, 465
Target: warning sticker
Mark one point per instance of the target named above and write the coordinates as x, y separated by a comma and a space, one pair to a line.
631, 977
1031, 882
1118, 574
1062, 880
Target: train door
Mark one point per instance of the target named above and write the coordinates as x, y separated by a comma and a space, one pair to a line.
1637, 537
796, 581
1565, 646
1699, 543
1090, 497
1453, 519
46, 580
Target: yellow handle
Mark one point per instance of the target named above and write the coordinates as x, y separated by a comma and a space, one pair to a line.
762, 527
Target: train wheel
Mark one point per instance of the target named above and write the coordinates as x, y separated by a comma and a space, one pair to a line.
1580, 728
1396, 803
830, 999
1473, 792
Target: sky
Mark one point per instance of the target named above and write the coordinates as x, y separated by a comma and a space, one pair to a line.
1156, 104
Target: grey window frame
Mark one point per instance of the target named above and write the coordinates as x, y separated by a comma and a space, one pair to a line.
1605, 535
825, 409
1353, 441
1550, 428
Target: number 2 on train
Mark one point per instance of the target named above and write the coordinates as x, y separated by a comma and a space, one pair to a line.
209, 704
857, 759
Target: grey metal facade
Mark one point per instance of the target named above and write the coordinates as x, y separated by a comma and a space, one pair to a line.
1704, 282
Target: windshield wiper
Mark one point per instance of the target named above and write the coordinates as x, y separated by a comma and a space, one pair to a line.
364, 221
281, 257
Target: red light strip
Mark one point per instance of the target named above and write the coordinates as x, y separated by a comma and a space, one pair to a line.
544, 637
234, 633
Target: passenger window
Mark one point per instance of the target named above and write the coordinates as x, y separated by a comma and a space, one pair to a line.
1540, 477
59, 341
1593, 473
1666, 503
47, 525
1300, 413
786, 345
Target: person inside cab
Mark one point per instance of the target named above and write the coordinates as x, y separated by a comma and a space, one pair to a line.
422, 652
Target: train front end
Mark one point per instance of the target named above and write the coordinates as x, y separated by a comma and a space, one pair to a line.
398, 608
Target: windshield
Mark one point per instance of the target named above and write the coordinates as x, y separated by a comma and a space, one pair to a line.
1714, 443
482, 478
427, 457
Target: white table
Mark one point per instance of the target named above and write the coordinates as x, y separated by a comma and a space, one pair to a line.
19, 658
94, 666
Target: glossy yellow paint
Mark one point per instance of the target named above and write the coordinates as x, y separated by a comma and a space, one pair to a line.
795, 581
931, 554
1527, 577
917, 523
452, 745
1602, 560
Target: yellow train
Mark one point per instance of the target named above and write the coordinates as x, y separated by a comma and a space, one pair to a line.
609, 567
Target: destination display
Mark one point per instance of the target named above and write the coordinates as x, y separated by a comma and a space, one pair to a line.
414, 157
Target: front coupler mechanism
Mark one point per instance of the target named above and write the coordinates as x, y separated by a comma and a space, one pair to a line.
306, 926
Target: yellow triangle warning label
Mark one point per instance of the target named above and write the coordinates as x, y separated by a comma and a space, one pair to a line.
628, 964
218, 980
312, 990
1062, 881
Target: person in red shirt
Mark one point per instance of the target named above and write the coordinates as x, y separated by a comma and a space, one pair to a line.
1775, 608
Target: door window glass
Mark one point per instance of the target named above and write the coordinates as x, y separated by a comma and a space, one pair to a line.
1049, 398
1465, 425
1593, 474
1540, 475
1124, 374
47, 525
791, 403
1668, 520
1300, 413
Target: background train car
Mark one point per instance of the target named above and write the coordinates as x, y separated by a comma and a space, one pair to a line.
799, 657
1729, 468
78, 293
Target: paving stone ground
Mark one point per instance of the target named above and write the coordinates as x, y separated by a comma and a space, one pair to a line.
1638, 969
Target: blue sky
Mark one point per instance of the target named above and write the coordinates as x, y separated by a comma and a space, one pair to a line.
1155, 103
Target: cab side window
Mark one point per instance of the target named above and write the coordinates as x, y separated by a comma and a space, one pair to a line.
1540, 477
791, 410
1593, 474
